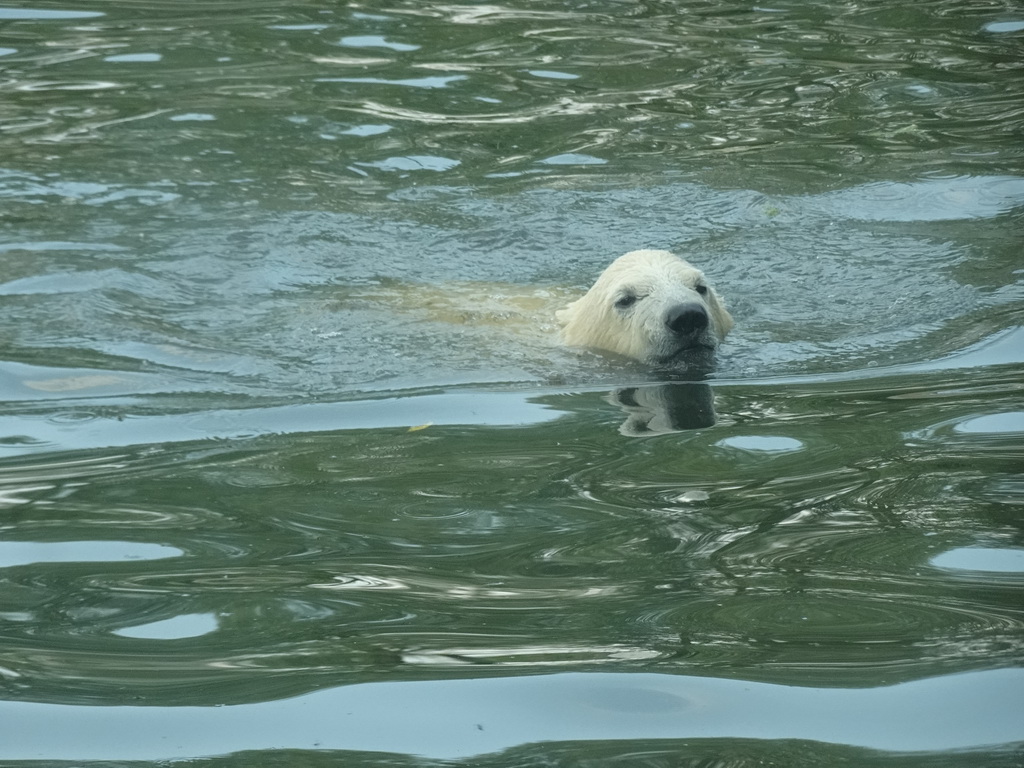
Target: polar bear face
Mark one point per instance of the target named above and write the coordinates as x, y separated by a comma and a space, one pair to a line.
648, 305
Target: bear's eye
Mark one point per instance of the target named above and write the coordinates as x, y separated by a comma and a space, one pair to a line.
701, 289
626, 301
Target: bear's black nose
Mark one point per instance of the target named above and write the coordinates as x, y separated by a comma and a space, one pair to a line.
686, 319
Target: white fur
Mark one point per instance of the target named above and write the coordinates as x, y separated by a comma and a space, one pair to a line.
660, 281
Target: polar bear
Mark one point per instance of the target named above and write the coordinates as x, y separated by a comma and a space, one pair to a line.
648, 305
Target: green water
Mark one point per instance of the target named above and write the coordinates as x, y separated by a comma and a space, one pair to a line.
254, 511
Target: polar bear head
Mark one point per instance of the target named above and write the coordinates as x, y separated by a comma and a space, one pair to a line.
649, 305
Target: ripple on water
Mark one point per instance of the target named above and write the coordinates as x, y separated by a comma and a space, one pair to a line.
984, 430
12, 14
1003, 27
432, 81
962, 197
411, 163
829, 616
375, 41
762, 444
538, 656
134, 58
15, 553
1011, 422
175, 628
981, 560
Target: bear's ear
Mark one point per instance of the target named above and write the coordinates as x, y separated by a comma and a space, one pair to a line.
723, 320
565, 315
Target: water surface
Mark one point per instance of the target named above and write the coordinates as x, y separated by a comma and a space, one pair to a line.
284, 477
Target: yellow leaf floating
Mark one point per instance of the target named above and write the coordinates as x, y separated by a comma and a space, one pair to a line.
421, 426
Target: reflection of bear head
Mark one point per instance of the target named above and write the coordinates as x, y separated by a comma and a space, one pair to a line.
665, 408
649, 305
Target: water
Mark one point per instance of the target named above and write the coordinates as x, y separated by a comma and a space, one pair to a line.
293, 471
